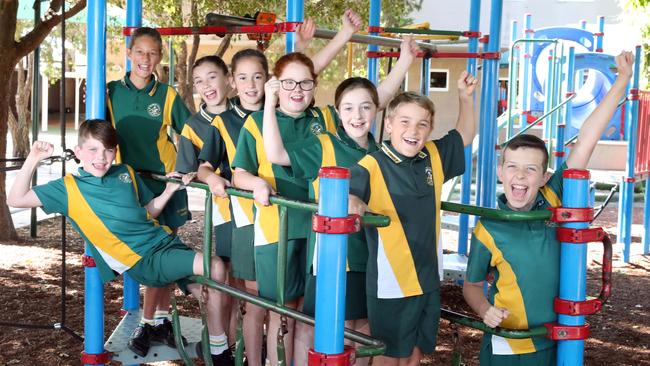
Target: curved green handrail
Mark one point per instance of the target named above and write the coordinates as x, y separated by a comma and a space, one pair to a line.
496, 214
478, 324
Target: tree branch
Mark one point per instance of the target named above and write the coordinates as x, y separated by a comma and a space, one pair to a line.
223, 46
32, 39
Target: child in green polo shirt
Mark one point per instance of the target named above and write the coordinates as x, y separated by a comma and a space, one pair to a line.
141, 110
526, 273
403, 180
114, 212
356, 103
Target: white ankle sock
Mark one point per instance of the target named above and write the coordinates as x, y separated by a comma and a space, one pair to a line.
218, 344
160, 316
144, 321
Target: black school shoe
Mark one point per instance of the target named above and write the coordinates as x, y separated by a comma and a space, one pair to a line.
140, 340
164, 333
224, 359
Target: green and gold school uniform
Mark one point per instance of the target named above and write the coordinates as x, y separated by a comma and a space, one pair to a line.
192, 139
141, 118
524, 258
219, 150
109, 214
251, 157
402, 271
306, 159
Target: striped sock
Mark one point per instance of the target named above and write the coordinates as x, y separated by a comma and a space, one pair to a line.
144, 321
218, 344
160, 316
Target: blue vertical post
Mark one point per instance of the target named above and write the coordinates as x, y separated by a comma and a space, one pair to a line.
489, 93
483, 135
131, 288
331, 263
525, 77
646, 218
295, 13
513, 74
548, 97
466, 184
601, 33
581, 73
95, 109
627, 191
425, 79
373, 66
561, 127
573, 265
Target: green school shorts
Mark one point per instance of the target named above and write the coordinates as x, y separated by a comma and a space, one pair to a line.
405, 323
175, 213
242, 252
545, 357
168, 262
355, 296
266, 257
222, 240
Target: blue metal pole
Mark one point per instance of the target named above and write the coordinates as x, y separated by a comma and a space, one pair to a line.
425, 79
95, 108
131, 290
628, 185
513, 74
331, 263
600, 36
373, 67
548, 97
489, 93
525, 78
573, 265
570, 76
295, 13
466, 184
483, 136
646, 218
581, 73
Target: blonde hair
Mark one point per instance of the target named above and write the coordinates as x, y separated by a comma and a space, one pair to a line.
411, 97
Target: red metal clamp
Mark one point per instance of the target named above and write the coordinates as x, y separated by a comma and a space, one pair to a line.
287, 26
340, 359
558, 154
375, 29
484, 39
599, 34
580, 236
569, 94
634, 94
88, 261
529, 30
470, 34
565, 214
558, 332
490, 55
95, 359
336, 225
630, 179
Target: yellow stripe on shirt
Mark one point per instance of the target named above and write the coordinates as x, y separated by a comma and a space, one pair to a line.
550, 196
392, 238
189, 133
166, 149
330, 121
509, 295
328, 158
438, 180
118, 156
94, 229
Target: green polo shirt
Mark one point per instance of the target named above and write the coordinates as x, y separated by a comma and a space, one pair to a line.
327, 149
526, 272
142, 118
403, 256
108, 213
219, 150
251, 157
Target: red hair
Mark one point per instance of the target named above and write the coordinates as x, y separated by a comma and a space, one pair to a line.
296, 57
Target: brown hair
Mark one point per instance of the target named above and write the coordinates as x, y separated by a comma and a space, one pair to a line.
249, 53
297, 57
212, 59
352, 84
148, 32
411, 97
528, 142
100, 130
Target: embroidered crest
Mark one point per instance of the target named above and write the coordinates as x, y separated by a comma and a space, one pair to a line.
154, 109
125, 178
316, 128
429, 172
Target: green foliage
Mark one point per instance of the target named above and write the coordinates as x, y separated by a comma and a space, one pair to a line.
639, 11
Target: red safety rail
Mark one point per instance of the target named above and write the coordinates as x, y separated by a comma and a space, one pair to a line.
235, 29
481, 55
642, 163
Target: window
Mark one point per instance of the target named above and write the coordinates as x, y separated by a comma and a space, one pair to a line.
439, 80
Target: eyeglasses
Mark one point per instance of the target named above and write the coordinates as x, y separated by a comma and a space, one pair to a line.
306, 85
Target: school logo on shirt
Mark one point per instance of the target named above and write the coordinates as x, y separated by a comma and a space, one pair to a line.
316, 128
429, 174
125, 178
154, 109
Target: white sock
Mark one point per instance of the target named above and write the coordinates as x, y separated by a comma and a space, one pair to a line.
160, 316
144, 321
218, 344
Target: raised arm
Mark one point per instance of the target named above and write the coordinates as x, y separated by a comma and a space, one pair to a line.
350, 24
304, 34
21, 195
273, 145
466, 123
391, 84
594, 126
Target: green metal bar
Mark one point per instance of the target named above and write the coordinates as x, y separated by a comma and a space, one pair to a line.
282, 255
176, 327
207, 234
539, 120
478, 324
371, 346
239, 342
496, 214
432, 32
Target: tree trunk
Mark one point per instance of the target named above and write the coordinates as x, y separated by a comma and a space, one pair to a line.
20, 126
7, 231
183, 78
